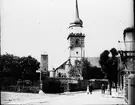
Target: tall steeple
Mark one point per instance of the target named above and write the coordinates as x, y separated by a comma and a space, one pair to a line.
77, 11
78, 22
76, 41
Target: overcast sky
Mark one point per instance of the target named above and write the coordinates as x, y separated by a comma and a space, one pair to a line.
30, 27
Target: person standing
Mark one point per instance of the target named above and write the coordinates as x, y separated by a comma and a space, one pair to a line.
88, 91
103, 89
110, 87
90, 88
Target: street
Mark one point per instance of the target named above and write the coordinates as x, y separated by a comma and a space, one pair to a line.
68, 98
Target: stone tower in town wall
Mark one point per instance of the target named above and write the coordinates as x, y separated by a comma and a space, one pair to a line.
44, 62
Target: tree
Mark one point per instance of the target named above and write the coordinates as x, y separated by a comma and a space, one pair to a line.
29, 65
96, 73
104, 56
15, 66
9, 65
109, 64
75, 70
89, 71
83, 68
86, 66
113, 66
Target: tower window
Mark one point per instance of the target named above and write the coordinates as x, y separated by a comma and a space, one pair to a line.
77, 52
77, 41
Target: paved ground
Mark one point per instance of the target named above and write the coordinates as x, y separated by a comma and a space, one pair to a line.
69, 98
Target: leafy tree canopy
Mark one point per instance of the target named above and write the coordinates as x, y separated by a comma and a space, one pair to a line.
18, 66
109, 64
84, 69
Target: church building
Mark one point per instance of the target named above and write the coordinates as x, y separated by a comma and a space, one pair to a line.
76, 45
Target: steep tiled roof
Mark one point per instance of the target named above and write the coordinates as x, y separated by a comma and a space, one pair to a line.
62, 66
94, 61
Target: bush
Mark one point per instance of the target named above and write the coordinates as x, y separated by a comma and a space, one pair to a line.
80, 86
73, 87
8, 81
52, 86
12, 85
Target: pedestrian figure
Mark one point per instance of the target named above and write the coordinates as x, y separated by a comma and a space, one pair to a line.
103, 89
88, 91
110, 88
90, 88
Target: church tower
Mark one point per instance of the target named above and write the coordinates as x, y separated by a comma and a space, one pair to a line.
76, 38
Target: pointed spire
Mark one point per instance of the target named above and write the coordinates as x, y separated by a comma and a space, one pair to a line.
78, 22
77, 11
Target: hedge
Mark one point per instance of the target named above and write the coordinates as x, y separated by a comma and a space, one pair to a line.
52, 86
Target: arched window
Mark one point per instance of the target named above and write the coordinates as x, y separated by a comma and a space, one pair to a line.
77, 41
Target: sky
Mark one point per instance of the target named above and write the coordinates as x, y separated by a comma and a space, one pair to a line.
33, 27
